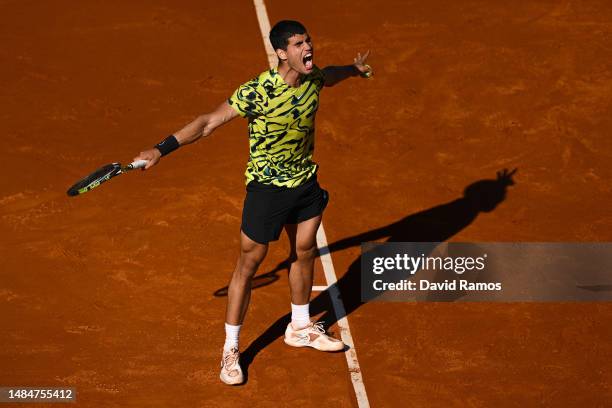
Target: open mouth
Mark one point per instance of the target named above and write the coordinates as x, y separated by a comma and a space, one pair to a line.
307, 60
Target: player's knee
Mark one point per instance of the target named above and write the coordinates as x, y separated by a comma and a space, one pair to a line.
245, 271
306, 252
250, 260
251, 249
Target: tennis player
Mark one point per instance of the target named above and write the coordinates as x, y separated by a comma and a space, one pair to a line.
281, 180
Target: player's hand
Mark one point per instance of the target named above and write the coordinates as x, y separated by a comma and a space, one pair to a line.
152, 156
360, 64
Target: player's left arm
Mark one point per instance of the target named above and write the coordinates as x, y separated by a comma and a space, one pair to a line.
334, 74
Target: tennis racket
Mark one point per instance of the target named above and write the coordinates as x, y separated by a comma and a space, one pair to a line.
101, 175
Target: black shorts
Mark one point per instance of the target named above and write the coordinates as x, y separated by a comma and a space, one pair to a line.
268, 208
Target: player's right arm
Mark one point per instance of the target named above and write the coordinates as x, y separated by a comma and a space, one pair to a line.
201, 126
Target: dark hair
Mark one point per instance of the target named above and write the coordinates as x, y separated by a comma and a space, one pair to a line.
282, 31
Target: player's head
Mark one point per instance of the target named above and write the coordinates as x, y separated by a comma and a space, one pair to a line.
293, 46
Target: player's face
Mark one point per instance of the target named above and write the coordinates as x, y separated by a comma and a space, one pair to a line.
300, 53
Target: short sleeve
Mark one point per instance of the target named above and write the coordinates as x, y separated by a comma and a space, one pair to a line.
318, 77
249, 100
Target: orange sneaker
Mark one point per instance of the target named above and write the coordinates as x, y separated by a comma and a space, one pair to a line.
313, 336
231, 373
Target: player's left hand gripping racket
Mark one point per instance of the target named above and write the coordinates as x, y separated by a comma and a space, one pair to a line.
101, 175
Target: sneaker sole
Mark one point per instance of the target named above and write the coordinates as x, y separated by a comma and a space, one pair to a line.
289, 343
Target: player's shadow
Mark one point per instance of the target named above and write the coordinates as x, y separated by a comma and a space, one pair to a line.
436, 224
261, 280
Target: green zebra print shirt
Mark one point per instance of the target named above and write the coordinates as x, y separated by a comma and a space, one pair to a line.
281, 127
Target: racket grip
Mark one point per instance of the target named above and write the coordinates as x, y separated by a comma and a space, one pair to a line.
138, 164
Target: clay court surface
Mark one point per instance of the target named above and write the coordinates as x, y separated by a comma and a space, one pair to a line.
113, 292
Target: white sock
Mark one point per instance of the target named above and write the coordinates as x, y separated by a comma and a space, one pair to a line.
231, 336
300, 315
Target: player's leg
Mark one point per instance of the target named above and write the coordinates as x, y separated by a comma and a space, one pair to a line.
238, 297
303, 241
301, 332
239, 291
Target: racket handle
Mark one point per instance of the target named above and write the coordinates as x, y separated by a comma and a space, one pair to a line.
138, 164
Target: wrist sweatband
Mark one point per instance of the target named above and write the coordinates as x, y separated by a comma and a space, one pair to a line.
168, 145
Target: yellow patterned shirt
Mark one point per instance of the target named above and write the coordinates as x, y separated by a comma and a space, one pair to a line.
281, 126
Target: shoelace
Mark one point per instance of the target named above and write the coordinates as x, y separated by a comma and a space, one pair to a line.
318, 326
230, 359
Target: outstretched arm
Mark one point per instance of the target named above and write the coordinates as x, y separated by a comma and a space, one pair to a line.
335, 74
201, 126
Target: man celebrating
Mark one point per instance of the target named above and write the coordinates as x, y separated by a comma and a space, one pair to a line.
282, 189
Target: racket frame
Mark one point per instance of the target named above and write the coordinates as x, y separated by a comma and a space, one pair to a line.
113, 171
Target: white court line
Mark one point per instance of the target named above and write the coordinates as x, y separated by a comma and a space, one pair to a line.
319, 288
345, 331
324, 255
264, 26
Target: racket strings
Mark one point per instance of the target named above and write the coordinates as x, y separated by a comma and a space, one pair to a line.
94, 179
